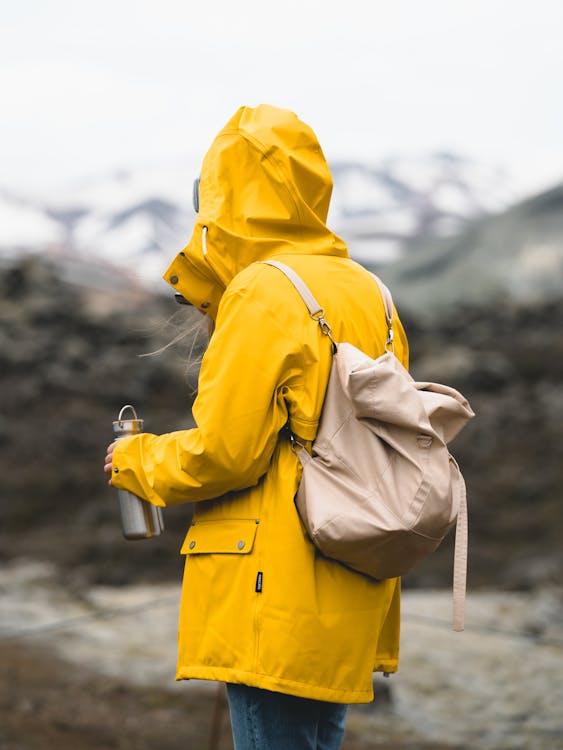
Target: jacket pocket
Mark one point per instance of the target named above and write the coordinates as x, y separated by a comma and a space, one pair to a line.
229, 536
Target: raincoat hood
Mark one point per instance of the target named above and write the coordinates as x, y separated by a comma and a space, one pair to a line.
265, 190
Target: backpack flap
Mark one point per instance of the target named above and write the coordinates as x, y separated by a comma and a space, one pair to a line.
447, 410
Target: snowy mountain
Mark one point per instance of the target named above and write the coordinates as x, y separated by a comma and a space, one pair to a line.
139, 219
384, 210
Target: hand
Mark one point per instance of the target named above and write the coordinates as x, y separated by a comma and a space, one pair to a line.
109, 459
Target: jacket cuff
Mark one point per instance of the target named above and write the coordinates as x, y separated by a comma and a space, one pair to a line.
127, 470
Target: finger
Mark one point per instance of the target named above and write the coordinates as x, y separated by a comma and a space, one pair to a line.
111, 447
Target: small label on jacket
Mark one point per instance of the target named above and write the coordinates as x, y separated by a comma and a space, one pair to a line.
258, 587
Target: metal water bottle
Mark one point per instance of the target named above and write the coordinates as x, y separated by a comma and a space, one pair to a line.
139, 518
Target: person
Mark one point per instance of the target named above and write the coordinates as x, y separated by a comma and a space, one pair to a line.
294, 635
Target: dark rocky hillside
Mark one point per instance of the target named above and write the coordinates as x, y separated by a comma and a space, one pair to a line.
68, 362
508, 361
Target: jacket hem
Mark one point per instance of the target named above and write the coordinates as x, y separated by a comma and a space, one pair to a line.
275, 684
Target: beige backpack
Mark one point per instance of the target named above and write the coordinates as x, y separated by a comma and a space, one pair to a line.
381, 490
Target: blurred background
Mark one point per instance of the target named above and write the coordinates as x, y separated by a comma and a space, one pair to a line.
442, 125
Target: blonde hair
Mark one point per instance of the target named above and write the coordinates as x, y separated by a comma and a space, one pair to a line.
188, 325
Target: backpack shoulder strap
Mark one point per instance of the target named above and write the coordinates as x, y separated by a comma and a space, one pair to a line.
315, 310
387, 300
388, 305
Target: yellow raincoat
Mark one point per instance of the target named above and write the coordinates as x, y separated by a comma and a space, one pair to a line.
260, 606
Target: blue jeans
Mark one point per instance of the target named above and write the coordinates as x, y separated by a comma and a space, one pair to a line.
262, 720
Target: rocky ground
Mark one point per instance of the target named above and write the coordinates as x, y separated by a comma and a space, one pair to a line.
94, 668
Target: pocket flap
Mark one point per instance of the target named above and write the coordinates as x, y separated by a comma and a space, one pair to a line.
221, 536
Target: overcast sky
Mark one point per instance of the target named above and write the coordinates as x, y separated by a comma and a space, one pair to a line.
91, 86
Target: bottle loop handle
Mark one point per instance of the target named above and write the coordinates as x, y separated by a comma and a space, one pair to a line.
127, 406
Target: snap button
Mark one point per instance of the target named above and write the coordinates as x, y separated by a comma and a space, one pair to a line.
116, 470
192, 544
240, 545
174, 279
205, 305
